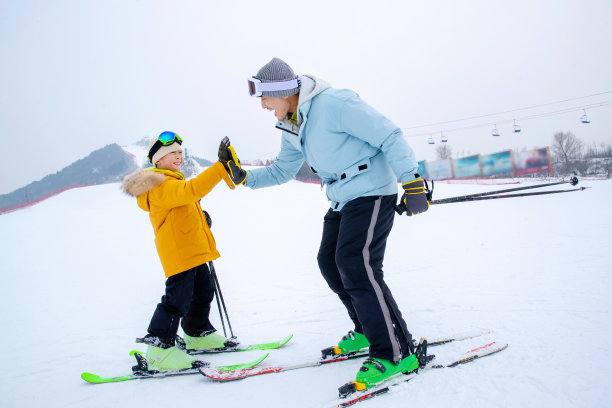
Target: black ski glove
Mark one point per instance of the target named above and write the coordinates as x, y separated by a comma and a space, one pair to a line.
208, 219
206, 215
227, 157
415, 199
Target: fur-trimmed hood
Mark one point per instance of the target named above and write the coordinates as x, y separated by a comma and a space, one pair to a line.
140, 182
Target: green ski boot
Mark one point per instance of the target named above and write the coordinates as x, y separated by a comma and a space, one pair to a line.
210, 341
376, 370
171, 358
353, 341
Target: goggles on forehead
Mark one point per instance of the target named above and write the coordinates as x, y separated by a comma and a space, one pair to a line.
164, 139
167, 138
256, 87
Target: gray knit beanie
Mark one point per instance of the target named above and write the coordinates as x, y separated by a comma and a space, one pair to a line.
277, 70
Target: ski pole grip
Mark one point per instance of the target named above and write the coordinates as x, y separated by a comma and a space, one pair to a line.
573, 180
399, 209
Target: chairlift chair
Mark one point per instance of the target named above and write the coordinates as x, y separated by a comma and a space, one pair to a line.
443, 138
584, 118
430, 140
495, 132
517, 128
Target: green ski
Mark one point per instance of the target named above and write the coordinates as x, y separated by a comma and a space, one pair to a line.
140, 374
261, 346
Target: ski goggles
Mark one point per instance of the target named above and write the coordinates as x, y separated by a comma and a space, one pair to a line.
167, 138
256, 87
164, 139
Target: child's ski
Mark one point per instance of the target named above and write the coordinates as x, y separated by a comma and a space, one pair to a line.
143, 374
180, 343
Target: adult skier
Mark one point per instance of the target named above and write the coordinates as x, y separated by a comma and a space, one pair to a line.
359, 155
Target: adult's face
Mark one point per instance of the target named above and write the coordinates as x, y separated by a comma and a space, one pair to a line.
280, 106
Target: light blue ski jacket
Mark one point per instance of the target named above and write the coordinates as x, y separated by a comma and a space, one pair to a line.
355, 150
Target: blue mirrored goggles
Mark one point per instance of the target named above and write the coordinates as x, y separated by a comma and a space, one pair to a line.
164, 139
167, 138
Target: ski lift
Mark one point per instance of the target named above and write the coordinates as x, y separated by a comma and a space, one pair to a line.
495, 132
443, 138
584, 118
517, 128
430, 140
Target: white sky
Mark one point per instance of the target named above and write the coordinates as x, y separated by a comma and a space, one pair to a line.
77, 75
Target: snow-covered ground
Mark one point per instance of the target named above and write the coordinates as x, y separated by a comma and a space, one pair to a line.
81, 278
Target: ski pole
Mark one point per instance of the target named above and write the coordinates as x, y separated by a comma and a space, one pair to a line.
218, 303
220, 296
494, 197
573, 181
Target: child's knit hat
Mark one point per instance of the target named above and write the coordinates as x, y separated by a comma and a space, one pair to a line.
162, 151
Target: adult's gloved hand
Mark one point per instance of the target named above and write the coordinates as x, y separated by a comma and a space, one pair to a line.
415, 200
227, 157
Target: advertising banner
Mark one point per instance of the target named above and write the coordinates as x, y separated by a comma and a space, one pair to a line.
496, 164
531, 161
439, 170
422, 169
467, 167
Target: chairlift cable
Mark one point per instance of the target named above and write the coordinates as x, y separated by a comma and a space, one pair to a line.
508, 111
536, 116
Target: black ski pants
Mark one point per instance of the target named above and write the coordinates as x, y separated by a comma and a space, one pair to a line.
188, 296
351, 259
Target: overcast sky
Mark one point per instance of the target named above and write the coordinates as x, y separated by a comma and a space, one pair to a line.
78, 75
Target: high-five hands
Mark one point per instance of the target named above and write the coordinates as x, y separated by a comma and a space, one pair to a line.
227, 157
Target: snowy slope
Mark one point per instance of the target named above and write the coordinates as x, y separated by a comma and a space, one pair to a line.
81, 279
139, 150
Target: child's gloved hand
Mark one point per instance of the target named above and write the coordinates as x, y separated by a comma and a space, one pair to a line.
227, 157
208, 219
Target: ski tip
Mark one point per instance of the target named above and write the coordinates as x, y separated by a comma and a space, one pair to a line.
260, 359
96, 379
238, 366
486, 346
286, 340
91, 378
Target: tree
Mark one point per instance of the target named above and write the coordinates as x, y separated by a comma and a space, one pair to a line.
593, 151
566, 148
444, 151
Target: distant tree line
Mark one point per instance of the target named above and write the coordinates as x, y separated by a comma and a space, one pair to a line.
569, 154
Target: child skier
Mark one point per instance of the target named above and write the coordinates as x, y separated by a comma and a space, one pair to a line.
185, 244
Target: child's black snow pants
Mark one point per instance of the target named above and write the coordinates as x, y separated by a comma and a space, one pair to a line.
188, 296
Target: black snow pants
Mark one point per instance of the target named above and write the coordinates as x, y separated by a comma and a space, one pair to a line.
188, 296
351, 258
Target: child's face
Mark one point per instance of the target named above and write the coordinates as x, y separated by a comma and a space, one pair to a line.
172, 161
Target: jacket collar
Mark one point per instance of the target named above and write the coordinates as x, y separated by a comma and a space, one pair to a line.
311, 87
174, 174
